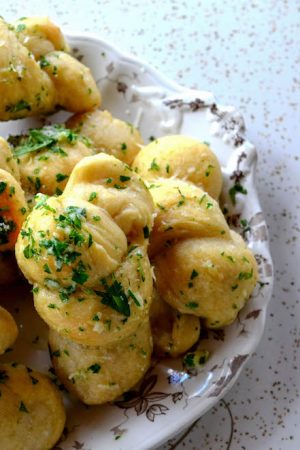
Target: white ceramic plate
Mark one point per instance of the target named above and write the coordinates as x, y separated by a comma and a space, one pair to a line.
169, 398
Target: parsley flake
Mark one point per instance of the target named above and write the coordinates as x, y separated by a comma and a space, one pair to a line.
22, 407
154, 166
61, 177
236, 189
95, 368
116, 298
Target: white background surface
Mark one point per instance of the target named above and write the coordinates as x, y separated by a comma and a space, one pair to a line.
248, 54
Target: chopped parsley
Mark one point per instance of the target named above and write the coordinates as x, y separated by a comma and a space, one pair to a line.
61, 177
22, 407
52, 306
17, 107
140, 269
34, 381
197, 358
192, 305
12, 191
46, 138
182, 200
236, 189
209, 170
80, 275
20, 27
245, 275
46, 268
3, 376
202, 198
3, 186
90, 240
131, 294
59, 249
245, 225
92, 196
94, 368
124, 178
146, 232
115, 297
194, 274
154, 166
43, 62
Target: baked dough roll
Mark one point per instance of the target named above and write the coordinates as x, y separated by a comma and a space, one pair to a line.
13, 209
183, 210
30, 86
46, 157
114, 307
209, 277
100, 374
201, 267
85, 252
75, 87
181, 157
8, 330
32, 415
108, 134
112, 185
7, 161
40, 36
173, 333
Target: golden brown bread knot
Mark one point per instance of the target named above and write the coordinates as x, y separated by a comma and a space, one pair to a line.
32, 415
73, 247
108, 134
34, 49
173, 333
183, 158
201, 267
102, 373
86, 254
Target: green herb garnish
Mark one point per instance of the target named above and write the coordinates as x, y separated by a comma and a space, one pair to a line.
22, 407
19, 106
2, 186
154, 166
192, 305
92, 196
236, 189
116, 298
61, 177
46, 138
95, 368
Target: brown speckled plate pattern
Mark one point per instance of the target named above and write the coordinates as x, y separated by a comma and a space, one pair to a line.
170, 397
